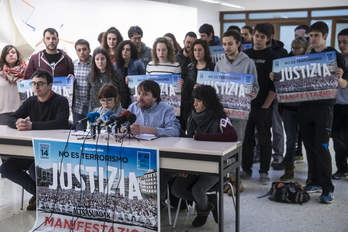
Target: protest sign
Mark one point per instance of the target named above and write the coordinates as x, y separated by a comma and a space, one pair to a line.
61, 85
170, 88
233, 90
306, 78
88, 187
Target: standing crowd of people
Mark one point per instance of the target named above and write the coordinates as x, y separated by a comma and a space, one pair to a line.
101, 84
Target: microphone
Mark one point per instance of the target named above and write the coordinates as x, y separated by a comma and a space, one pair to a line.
91, 117
130, 120
105, 117
120, 119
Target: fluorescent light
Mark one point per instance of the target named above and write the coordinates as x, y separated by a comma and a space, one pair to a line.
223, 3
231, 5
210, 1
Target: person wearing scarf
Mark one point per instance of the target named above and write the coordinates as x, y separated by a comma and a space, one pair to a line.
12, 70
207, 122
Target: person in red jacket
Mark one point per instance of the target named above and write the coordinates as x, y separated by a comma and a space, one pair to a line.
52, 59
207, 122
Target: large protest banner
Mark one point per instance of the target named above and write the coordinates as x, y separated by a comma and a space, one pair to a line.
88, 187
61, 85
306, 78
170, 88
233, 90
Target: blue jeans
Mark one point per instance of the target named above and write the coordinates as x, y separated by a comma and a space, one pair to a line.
77, 117
194, 188
15, 169
290, 125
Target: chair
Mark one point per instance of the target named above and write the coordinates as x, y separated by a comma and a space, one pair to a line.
213, 190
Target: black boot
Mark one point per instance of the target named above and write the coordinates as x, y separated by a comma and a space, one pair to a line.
212, 198
202, 216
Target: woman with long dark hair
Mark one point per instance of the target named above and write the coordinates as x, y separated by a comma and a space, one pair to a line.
208, 122
128, 63
102, 72
111, 38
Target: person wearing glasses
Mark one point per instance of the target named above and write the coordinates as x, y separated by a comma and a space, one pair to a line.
46, 110
135, 33
109, 99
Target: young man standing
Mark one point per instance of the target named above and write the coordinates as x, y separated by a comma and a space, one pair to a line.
340, 118
44, 111
52, 59
135, 34
315, 120
82, 67
206, 31
260, 116
247, 34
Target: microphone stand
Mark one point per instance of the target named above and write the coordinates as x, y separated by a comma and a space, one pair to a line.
128, 133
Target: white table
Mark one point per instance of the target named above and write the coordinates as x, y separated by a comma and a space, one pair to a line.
176, 154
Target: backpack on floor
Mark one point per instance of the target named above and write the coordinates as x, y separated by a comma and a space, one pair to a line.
287, 192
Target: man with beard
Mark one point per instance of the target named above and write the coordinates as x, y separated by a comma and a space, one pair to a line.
54, 60
157, 118
183, 57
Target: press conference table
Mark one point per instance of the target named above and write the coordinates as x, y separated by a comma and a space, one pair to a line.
176, 154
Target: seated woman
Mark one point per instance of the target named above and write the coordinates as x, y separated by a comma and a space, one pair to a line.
208, 122
109, 99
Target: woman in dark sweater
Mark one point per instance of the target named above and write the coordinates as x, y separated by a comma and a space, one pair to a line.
208, 122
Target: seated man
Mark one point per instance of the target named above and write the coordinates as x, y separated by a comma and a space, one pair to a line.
154, 117
44, 111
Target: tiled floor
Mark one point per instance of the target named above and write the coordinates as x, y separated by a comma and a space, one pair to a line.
257, 215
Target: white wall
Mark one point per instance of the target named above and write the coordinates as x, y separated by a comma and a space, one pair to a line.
76, 19
209, 13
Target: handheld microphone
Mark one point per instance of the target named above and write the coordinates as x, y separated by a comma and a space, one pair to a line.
91, 117
105, 117
130, 120
119, 119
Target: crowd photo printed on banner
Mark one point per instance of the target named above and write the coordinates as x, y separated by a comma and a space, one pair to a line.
233, 90
306, 77
61, 85
170, 88
95, 188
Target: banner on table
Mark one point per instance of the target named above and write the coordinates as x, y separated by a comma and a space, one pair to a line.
170, 88
233, 90
306, 78
61, 85
88, 187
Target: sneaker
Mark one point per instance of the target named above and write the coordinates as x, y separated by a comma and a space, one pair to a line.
313, 189
277, 159
327, 199
245, 175
299, 159
264, 179
280, 166
339, 175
